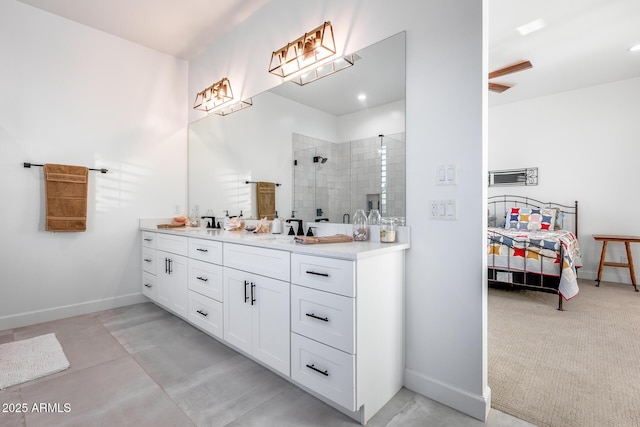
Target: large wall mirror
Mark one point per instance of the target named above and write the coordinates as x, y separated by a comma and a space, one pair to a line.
330, 152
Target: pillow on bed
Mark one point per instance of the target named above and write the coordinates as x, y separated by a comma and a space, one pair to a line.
531, 219
518, 218
559, 220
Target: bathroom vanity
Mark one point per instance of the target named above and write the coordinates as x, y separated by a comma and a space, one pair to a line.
328, 317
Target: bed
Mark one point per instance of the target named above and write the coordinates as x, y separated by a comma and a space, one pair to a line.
533, 245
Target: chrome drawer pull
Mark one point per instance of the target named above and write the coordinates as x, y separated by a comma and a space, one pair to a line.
324, 319
202, 313
315, 273
147, 260
204, 279
313, 367
202, 250
148, 285
148, 239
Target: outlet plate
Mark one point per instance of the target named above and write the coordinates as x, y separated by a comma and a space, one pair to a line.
443, 210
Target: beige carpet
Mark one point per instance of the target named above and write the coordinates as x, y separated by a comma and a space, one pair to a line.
578, 367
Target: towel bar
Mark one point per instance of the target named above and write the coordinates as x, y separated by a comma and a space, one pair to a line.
28, 165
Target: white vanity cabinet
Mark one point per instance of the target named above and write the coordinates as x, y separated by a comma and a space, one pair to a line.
149, 283
347, 328
170, 265
330, 318
256, 307
205, 285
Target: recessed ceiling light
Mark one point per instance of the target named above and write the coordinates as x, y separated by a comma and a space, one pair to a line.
531, 27
635, 48
362, 97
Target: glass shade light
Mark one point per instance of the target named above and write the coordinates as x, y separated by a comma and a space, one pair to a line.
232, 108
214, 96
312, 48
324, 70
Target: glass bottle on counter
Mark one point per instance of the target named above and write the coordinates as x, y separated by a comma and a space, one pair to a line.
360, 228
374, 217
194, 219
387, 230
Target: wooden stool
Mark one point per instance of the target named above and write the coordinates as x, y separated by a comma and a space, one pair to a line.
627, 240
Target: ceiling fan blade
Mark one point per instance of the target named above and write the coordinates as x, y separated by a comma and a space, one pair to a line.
522, 65
497, 87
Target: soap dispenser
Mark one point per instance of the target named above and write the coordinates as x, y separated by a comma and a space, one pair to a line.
276, 225
226, 220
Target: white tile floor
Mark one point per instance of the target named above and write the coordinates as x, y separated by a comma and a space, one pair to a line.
141, 366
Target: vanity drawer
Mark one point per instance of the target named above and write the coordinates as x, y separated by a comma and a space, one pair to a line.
149, 260
265, 262
149, 285
205, 250
324, 369
205, 313
148, 239
326, 274
169, 243
324, 317
205, 279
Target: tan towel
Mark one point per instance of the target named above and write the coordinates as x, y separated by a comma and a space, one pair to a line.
309, 240
266, 196
66, 195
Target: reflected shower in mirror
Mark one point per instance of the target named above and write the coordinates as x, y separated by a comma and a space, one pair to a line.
332, 180
339, 130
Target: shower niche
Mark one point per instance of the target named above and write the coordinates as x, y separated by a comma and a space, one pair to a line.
333, 179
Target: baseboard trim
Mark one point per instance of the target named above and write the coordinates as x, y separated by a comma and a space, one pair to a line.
474, 405
55, 313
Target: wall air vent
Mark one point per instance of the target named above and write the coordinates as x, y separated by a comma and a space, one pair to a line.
510, 177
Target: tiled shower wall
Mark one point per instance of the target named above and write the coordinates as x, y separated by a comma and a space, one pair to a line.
353, 174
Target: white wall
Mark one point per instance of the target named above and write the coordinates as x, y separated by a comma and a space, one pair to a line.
73, 95
385, 119
445, 304
585, 145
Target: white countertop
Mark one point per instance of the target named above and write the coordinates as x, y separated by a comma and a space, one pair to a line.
350, 251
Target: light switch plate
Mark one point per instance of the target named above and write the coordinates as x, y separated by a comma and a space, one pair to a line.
446, 175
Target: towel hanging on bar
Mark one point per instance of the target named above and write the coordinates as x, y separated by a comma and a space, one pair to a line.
66, 197
266, 197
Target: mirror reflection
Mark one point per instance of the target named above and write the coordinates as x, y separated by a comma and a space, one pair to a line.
331, 152
332, 180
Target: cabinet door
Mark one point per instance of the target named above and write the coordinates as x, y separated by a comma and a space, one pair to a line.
163, 283
238, 309
171, 289
178, 270
271, 323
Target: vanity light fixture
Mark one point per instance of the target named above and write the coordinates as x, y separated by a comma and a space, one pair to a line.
214, 96
325, 70
225, 111
310, 49
634, 48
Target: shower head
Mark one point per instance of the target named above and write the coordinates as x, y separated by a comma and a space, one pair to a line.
317, 159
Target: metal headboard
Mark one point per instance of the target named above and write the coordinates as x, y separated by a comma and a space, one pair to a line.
498, 206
